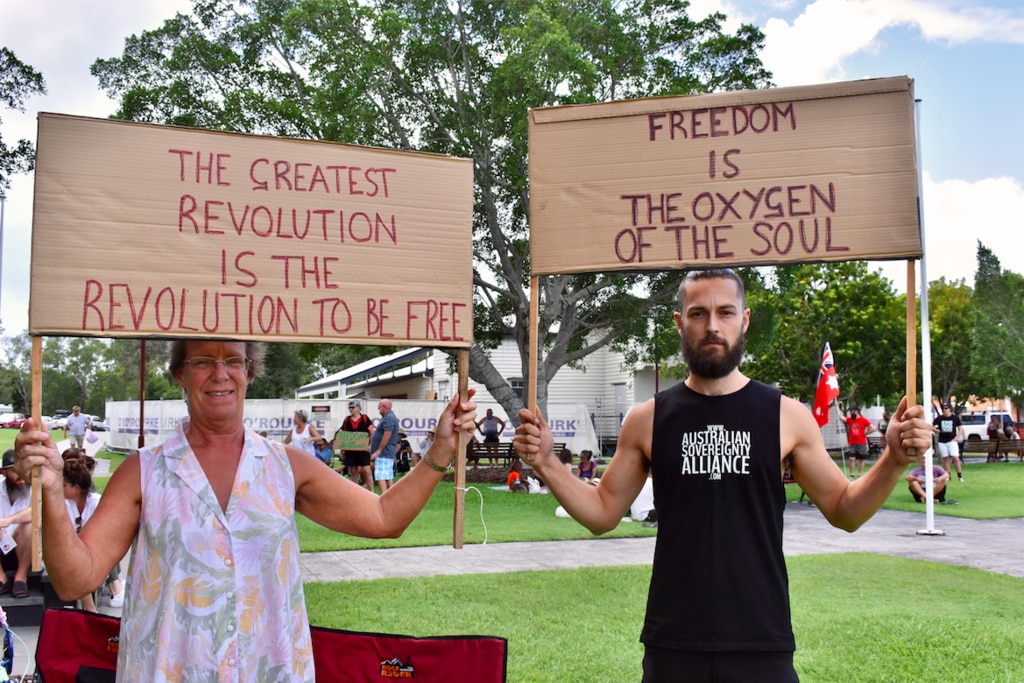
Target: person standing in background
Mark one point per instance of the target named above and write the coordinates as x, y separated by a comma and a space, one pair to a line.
303, 435
491, 427
357, 463
857, 429
950, 432
383, 444
75, 426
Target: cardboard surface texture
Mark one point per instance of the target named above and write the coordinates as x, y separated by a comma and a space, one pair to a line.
352, 441
786, 175
156, 231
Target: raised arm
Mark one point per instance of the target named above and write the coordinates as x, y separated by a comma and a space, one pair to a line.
598, 508
338, 504
847, 504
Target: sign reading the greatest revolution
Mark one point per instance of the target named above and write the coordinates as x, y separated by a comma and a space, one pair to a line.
156, 231
805, 174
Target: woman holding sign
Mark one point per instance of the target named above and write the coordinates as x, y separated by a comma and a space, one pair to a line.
214, 587
357, 428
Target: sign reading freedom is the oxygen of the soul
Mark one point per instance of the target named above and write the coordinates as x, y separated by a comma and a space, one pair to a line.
155, 231
802, 174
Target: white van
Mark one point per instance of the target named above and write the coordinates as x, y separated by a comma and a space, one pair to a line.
976, 424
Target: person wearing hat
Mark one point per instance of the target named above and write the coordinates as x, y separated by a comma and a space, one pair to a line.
403, 453
857, 429
357, 463
950, 432
424, 445
15, 516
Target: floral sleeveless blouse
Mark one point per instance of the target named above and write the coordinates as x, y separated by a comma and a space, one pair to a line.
214, 596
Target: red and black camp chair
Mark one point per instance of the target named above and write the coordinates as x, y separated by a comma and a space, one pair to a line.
76, 646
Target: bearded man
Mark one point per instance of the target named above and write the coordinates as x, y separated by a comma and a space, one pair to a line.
717, 445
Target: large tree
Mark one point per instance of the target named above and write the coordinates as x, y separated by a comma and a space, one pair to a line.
997, 349
449, 77
796, 309
18, 81
951, 326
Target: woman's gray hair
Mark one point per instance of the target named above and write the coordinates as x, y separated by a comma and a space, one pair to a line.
255, 351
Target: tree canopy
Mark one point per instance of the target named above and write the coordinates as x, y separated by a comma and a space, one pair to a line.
18, 81
796, 309
997, 341
455, 78
951, 331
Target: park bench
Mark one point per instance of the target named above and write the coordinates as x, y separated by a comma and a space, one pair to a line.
1003, 449
876, 444
502, 452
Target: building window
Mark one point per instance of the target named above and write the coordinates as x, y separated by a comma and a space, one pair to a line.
518, 386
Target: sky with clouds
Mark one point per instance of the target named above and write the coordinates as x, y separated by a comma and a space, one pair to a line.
966, 59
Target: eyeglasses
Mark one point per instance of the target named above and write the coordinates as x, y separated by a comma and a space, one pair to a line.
78, 524
208, 364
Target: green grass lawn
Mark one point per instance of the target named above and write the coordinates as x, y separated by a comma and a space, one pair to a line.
857, 617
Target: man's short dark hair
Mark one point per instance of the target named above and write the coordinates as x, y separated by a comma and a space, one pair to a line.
712, 274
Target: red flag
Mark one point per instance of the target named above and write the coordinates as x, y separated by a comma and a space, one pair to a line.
828, 387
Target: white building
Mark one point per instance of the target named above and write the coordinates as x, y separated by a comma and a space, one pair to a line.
603, 389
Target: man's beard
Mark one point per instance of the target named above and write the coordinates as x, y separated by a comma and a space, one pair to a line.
709, 363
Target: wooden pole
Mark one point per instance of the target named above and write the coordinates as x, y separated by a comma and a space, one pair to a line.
460, 458
37, 482
911, 341
142, 394
531, 395
911, 337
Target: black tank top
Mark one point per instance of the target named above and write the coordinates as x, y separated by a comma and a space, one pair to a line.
719, 580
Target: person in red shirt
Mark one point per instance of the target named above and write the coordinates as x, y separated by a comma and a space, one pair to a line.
857, 429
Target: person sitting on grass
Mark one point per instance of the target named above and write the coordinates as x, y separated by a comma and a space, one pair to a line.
515, 476
587, 468
940, 477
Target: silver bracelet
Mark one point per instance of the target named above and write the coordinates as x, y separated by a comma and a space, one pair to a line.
433, 465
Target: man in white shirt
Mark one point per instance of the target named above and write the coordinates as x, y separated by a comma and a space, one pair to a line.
75, 426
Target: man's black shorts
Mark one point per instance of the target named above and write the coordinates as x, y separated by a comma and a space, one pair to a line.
356, 458
663, 664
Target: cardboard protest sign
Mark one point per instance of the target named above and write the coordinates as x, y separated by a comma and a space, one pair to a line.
352, 441
803, 174
156, 231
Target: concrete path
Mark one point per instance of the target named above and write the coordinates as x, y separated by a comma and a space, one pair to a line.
992, 545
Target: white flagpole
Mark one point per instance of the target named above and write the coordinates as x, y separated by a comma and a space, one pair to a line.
926, 345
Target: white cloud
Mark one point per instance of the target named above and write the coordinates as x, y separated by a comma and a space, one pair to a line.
812, 48
957, 215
